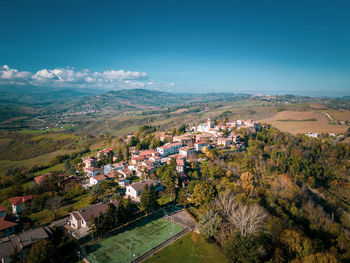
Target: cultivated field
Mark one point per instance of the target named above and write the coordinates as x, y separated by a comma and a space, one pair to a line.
308, 121
136, 239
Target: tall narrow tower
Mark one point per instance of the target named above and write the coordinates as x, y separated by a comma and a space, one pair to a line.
210, 123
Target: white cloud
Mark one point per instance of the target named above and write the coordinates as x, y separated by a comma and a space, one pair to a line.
69, 77
8, 73
44, 74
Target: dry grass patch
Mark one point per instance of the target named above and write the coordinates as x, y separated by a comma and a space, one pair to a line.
321, 125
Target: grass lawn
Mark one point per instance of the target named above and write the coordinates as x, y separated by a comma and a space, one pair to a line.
39, 160
166, 198
46, 216
190, 248
57, 167
141, 236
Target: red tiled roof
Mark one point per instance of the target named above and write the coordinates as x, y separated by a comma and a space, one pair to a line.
4, 224
92, 169
180, 157
99, 177
170, 145
180, 162
139, 158
107, 150
39, 179
146, 152
2, 209
111, 175
17, 200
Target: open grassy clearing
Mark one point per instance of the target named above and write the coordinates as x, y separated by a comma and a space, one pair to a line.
191, 248
44, 159
55, 136
321, 125
137, 239
46, 216
37, 131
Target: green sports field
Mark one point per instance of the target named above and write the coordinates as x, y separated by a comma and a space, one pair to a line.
140, 237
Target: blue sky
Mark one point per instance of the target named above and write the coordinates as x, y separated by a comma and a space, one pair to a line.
273, 47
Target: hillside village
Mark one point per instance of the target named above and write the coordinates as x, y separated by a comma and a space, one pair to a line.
180, 176
132, 176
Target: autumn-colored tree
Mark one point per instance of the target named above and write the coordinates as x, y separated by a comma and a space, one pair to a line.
247, 182
298, 245
320, 258
284, 187
203, 193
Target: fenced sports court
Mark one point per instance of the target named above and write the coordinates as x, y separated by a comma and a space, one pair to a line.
134, 240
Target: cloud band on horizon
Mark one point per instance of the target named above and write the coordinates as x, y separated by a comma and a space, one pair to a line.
69, 77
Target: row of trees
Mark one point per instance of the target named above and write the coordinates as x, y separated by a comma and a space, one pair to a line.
115, 215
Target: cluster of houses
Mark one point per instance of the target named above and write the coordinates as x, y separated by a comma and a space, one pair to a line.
22, 242
143, 163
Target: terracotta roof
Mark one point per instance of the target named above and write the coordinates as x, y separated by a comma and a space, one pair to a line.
39, 179
139, 158
2, 208
107, 150
111, 175
92, 169
180, 162
180, 157
99, 177
17, 200
4, 224
147, 152
170, 145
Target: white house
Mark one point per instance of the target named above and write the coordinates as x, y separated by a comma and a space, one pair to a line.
169, 149
89, 162
80, 219
198, 146
226, 142
123, 182
187, 151
20, 202
92, 171
97, 179
135, 190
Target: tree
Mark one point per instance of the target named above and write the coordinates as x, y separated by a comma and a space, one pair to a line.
41, 252
53, 204
320, 258
203, 193
148, 199
209, 224
92, 227
181, 197
97, 190
246, 219
247, 181
242, 249
298, 245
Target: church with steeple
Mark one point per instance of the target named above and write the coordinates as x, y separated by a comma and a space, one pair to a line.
205, 127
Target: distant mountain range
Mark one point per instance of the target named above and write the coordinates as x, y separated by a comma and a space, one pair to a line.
17, 101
